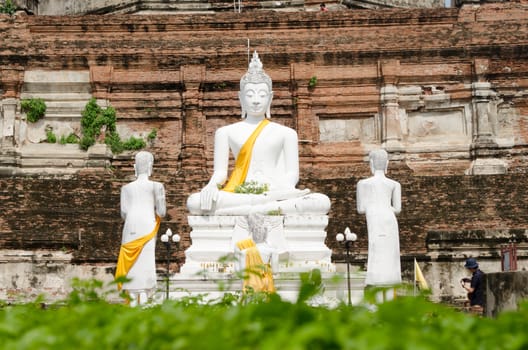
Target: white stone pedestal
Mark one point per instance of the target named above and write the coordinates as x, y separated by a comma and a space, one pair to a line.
299, 240
213, 287
209, 268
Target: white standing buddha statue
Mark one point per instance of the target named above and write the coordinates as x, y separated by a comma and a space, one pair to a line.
266, 154
379, 198
142, 205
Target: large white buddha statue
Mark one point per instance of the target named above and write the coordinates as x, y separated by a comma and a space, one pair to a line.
266, 154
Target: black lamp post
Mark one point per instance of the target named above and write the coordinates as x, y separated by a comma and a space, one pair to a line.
349, 238
167, 238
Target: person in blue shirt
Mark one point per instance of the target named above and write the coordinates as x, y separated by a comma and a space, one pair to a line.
474, 286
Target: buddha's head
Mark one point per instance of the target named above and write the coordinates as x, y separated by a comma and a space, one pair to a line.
255, 90
379, 160
144, 162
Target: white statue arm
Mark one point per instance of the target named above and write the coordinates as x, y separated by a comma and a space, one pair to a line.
124, 203
240, 259
396, 198
291, 158
359, 198
159, 195
274, 262
221, 164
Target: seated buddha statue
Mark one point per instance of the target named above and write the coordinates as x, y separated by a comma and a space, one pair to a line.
266, 156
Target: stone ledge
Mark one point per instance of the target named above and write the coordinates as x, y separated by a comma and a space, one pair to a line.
504, 291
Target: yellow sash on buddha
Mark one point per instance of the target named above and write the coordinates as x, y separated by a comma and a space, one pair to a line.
130, 251
238, 176
258, 275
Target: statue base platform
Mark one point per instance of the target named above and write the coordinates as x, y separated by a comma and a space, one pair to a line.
209, 270
298, 239
211, 287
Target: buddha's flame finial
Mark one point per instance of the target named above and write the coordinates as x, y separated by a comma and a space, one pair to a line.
255, 73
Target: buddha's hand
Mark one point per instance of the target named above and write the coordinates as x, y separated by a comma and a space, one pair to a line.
208, 195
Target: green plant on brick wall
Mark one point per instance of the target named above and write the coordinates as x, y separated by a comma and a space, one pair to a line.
313, 82
50, 135
35, 108
220, 86
152, 135
134, 143
96, 120
117, 145
114, 141
8, 7
71, 138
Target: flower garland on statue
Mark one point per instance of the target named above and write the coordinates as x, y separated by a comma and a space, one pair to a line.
252, 187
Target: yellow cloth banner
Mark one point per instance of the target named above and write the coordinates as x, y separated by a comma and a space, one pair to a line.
238, 176
130, 251
419, 277
258, 275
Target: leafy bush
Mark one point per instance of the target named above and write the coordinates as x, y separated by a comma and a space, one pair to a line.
134, 143
114, 141
96, 120
50, 136
313, 82
86, 321
403, 324
152, 135
86, 142
35, 108
8, 7
71, 138
93, 120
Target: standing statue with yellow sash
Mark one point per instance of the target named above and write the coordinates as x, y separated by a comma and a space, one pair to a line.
142, 205
265, 153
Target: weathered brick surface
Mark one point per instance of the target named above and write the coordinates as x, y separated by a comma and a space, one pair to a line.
433, 203
180, 74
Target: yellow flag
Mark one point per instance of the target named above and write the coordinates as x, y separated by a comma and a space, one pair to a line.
419, 277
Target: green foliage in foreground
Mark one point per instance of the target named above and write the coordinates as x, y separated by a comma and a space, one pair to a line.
86, 321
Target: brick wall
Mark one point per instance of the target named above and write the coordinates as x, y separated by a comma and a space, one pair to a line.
81, 214
180, 74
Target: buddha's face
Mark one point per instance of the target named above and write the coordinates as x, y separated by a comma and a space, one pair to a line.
256, 99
